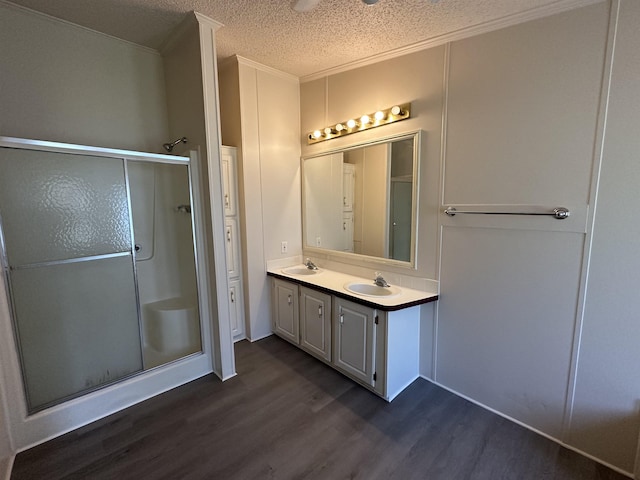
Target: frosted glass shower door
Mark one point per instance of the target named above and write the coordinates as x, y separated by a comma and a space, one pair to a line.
66, 231
165, 261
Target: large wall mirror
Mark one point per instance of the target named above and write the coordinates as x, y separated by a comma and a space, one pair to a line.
363, 200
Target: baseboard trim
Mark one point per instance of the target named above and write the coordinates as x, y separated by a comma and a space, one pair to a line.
252, 340
228, 377
529, 427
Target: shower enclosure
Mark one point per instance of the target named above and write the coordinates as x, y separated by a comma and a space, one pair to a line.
99, 262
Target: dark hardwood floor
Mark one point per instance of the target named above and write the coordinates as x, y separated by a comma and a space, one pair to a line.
288, 416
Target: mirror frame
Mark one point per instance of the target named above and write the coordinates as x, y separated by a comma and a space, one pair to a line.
310, 250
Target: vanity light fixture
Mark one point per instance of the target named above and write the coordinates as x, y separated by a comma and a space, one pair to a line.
367, 121
396, 110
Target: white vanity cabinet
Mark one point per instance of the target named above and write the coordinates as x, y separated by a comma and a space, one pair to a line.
377, 348
354, 338
315, 323
380, 349
302, 316
286, 313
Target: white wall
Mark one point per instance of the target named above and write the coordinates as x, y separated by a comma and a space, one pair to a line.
63, 83
269, 174
606, 409
521, 126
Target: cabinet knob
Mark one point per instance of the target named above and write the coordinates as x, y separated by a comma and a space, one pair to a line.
320, 310
233, 297
226, 200
342, 318
289, 299
228, 234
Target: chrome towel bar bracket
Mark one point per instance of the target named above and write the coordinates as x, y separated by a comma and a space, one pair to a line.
559, 213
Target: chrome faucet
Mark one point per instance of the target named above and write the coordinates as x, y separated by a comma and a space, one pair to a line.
380, 281
310, 265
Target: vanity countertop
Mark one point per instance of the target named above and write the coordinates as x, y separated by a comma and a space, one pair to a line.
332, 283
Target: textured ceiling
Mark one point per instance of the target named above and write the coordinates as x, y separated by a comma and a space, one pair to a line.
337, 32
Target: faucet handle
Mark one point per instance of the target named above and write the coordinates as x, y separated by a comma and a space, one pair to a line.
380, 281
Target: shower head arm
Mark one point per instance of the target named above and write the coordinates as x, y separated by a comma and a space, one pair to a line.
169, 146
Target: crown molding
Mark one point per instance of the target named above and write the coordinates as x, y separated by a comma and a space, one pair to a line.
508, 21
66, 23
208, 21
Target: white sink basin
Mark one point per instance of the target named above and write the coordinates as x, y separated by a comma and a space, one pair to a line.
371, 290
300, 270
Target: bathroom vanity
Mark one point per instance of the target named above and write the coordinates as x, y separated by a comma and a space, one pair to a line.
372, 337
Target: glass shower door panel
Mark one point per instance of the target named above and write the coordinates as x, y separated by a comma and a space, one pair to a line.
77, 325
56, 206
168, 289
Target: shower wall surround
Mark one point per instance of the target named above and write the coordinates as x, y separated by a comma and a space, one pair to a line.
98, 255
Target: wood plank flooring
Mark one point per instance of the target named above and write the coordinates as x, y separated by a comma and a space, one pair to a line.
288, 416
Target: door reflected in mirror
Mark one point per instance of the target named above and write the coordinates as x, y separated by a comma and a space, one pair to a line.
363, 200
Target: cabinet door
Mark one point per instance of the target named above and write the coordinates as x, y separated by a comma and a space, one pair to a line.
348, 184
285, 310
354, 340
237, 309
228, 162
315, 323
347, 231
232, 247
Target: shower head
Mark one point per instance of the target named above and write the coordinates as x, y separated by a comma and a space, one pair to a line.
169, 146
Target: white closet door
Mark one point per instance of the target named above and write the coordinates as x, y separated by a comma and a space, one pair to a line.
228, 182
231, 237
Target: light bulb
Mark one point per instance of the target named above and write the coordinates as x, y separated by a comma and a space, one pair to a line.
379, 115
317, 134
364, 119
396, 110
351, 123
339, 127
328, 131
